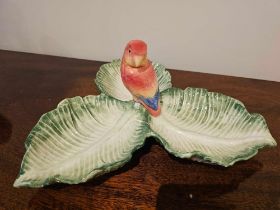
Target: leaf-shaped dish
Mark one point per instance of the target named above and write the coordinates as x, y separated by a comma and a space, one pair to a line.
80, 139
86, 137
109, 81
209, 127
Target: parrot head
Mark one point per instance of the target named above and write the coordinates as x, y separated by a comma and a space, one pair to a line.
135, 53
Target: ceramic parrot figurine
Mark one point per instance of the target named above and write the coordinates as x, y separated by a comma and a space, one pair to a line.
139, 76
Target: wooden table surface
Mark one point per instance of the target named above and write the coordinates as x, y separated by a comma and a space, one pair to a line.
32, 84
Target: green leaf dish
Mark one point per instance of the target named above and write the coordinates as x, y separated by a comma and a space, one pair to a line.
81, 139
209, 127
86, 137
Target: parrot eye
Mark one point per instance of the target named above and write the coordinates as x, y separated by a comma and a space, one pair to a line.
129, 51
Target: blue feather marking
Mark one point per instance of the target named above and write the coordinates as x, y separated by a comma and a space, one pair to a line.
151, 102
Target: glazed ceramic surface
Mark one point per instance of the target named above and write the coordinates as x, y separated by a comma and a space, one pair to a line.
85, 137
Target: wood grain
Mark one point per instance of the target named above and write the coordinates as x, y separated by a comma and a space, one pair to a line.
32, 84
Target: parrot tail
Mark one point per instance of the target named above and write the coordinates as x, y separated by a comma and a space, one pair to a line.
153, 112
151, 104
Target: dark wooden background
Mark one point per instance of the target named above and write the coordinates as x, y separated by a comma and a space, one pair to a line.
31, 85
